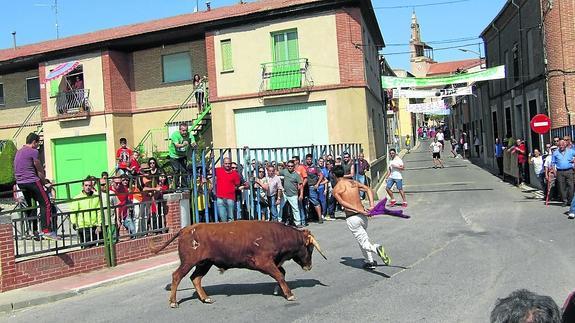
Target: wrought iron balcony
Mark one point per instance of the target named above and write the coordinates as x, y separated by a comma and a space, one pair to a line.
286, 75
74, 101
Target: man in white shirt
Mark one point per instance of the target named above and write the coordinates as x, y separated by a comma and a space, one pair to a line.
436, 148
394, 176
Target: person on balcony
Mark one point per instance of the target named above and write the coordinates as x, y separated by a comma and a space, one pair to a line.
199, 89
181, 141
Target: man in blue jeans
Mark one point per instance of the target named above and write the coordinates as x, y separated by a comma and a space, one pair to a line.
227, 180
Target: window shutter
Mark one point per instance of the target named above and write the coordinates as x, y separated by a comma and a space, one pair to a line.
227, 63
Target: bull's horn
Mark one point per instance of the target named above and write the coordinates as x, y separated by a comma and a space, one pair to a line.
316, 245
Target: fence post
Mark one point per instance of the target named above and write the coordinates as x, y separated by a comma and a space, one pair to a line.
7, 263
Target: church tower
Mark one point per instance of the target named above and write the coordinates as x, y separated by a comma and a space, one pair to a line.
421, 54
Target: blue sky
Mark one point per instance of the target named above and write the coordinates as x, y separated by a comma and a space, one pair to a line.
461, 20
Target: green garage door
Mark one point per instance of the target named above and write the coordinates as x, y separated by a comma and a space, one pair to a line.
77, 157
287, 125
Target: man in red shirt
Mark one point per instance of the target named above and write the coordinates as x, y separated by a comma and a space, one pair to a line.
227, 180
519, 149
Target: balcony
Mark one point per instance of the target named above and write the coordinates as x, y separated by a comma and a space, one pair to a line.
285, 77
73, 102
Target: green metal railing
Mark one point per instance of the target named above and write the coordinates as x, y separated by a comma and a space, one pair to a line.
283, 75
150, 139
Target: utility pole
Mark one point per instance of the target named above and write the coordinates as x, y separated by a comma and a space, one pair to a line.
55, 8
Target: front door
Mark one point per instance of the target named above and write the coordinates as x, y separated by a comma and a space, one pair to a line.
77, 157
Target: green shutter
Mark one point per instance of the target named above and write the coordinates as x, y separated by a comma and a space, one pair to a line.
54, 87
286, 69
227, 63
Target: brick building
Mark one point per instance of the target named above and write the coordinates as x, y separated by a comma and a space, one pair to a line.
299, 71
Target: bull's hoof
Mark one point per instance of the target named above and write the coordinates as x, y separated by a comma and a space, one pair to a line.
208, 301
174, 305
291, 298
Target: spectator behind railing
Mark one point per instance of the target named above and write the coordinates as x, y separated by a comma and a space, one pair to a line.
85, 217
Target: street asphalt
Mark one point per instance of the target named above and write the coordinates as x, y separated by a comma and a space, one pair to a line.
471, 239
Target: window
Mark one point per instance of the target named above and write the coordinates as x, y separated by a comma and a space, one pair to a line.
33, 89
176, 67
515, 63
1, 94
285, 46
507, 70
227, 63
286, 72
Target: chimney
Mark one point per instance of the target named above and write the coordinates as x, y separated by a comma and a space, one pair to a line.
208, 5
14, 38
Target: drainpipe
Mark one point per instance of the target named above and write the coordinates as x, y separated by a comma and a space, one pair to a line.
521, 74
546, 66
503, 124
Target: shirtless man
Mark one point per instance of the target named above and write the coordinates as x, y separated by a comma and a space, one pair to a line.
346, 192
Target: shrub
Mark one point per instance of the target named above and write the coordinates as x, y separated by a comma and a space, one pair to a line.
7, 162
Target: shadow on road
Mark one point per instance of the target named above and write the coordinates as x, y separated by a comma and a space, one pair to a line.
249, 288
358, 264
431, 167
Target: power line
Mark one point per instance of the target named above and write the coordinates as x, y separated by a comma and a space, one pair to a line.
445, 41
435, 49
422, 5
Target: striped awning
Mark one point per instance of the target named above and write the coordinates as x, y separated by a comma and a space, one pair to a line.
61, 70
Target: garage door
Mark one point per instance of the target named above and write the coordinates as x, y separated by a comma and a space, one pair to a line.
288, 125
77, 157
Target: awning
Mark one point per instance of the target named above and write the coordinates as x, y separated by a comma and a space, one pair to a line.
61, 70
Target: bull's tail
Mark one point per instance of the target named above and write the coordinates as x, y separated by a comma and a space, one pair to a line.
156, 250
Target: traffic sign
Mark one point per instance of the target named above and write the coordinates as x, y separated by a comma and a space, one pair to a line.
540, 124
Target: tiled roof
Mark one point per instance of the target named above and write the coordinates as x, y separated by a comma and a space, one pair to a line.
448, 68
149, 26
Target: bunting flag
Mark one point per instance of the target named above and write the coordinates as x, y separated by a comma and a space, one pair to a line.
428, 107
493, 73
435, 93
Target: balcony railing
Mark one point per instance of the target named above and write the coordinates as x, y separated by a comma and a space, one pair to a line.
285, 75
73, 101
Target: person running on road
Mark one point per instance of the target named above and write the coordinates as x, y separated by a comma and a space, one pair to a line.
346, 192
393, 176
436, 148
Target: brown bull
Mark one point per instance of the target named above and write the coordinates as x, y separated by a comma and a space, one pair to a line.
256, 245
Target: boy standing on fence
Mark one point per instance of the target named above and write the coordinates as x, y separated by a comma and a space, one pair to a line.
123, 156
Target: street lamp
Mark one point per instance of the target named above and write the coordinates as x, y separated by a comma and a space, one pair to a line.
474, 52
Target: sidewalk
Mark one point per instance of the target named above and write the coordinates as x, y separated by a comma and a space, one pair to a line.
74, 285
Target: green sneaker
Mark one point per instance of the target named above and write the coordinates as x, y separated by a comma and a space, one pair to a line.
384, 257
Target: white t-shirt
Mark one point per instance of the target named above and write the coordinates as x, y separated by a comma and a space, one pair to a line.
435, 147
440, 136
537, 164
394, 171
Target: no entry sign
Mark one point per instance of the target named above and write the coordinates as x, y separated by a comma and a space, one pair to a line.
540, 124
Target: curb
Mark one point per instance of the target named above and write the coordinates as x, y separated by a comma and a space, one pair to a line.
11, 307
